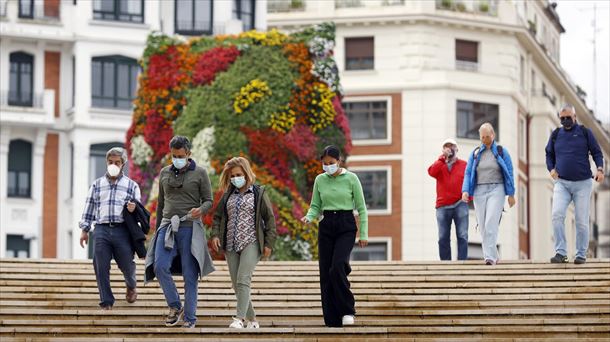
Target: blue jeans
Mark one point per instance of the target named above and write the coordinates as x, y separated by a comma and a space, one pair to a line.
578, 192
190, 271
457, 213
488, 205
112, 242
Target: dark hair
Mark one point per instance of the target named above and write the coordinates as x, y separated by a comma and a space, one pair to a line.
179, 142
331, 151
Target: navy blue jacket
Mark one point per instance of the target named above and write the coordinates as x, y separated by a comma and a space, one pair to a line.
569, 154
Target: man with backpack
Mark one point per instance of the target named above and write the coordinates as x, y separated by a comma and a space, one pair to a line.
567, 159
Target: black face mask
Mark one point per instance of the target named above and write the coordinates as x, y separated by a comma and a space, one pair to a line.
567, 122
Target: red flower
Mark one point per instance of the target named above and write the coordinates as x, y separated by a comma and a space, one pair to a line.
301, 141
212, 62
157, 133
342, 122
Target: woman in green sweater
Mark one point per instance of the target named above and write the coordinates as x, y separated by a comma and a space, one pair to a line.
336, 193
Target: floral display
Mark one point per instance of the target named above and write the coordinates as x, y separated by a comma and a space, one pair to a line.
271, 97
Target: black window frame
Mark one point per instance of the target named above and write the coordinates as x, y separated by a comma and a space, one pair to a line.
377, 188
16, 155
472, 132
117, 15
192, 31
21, 8
11, 239
15, 94
363, 62
116, 61
238, 14
371, 119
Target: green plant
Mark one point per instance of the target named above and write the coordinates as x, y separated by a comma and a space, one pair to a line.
446, 3
296, 4
484, 6
460, 6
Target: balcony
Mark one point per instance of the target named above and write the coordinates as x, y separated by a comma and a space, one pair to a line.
283, 6
543, 103
27, 109
466, 65
480, 7
3, 4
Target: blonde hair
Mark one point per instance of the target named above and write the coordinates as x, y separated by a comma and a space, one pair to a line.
244, 164
488, 127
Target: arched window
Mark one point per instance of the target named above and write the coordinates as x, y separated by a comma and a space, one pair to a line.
21, 79
19, 169
113, 81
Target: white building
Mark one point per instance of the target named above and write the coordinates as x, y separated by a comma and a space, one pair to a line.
417, 72
68, 71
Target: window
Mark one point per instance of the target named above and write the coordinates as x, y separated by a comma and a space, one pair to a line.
21, 79
522, 207
533, 82
359, 53
19, 169
522, 73
368, 120
471, 115
113, 81
466, 55
194, 17
119, 10
374, 251
375, 186
475, 251
244, 11
17, 246
522, 138
26, 9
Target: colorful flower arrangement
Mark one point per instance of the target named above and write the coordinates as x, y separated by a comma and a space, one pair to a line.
288, 85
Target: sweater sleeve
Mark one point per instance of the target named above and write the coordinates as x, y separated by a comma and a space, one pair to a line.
435, 169
160, 203
596, 151
550, 154
316, 203
360, 206
205, 191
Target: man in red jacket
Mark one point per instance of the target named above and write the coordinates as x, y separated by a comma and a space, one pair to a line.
448, 170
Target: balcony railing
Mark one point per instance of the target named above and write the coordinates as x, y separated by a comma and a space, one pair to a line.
483, 7
45, 11
23, 99
348, 3
280, 6
466, 65
367, 3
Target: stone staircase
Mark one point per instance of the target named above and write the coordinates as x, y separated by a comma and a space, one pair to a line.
57, 300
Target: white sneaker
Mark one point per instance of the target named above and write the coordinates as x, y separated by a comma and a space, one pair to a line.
348, 320
238, 323
252, 325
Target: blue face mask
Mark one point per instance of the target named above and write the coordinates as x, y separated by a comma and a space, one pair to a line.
238, 182
179, 163
331, 169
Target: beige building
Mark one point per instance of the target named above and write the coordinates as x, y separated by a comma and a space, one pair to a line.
417, 72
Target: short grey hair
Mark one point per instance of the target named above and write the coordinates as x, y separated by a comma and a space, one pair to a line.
179, 142
567, 107
487, 126
117, 152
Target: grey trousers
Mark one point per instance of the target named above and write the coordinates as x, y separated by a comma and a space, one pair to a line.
241, 267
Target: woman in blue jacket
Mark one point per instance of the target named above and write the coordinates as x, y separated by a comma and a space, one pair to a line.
489, 179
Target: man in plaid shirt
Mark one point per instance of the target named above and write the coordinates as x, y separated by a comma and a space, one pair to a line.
107, 197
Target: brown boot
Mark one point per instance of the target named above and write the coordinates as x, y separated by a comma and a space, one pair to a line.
131, 295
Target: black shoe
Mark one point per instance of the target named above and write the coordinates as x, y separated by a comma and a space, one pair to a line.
559, 259
174, 316
579, 260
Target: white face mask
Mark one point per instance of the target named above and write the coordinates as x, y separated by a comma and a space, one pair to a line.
238, 182
113, 170
331, 169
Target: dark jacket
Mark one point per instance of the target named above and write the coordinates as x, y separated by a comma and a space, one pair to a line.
567, 151
138, 224
264, 218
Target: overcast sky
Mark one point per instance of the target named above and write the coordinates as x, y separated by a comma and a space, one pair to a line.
577, 49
